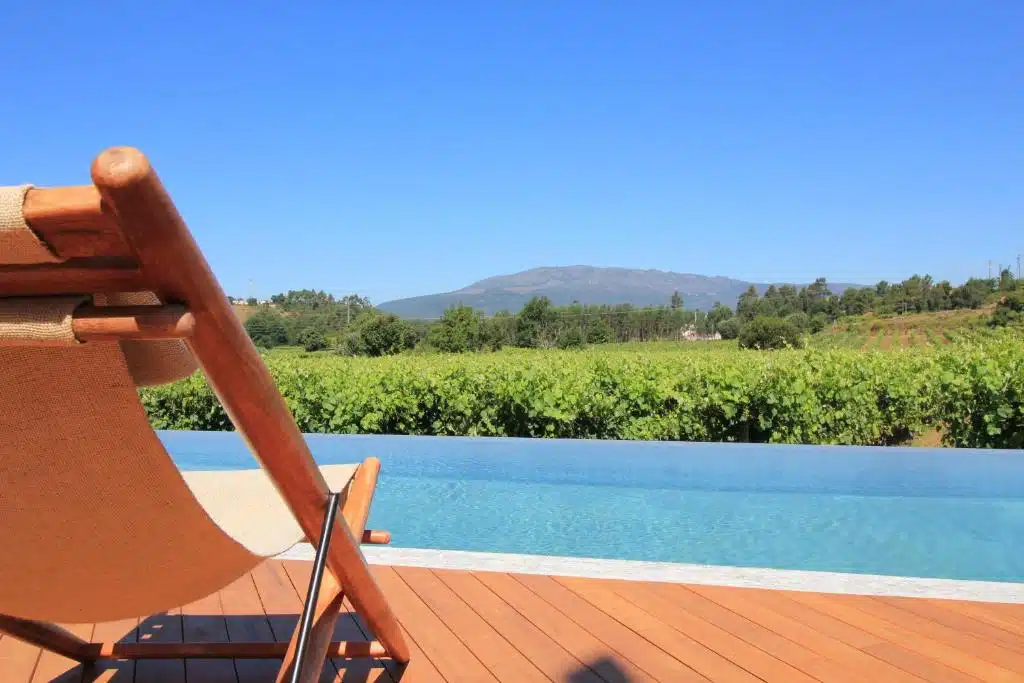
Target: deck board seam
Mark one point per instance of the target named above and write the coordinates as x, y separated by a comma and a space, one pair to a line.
473, 577
409, 632
484, 619
602, 640
616, 618
441, 619
627, 598
744, 617
966, 617
890, 639
881, 638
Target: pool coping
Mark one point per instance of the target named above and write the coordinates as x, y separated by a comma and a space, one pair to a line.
670, 572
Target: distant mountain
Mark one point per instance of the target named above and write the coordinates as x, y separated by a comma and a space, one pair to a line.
585, 284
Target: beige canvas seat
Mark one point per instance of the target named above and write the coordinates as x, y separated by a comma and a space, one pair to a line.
103, 290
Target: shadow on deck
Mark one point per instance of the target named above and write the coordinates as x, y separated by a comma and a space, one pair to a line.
483, 626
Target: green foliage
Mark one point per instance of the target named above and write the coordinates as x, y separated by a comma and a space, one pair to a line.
800, 320
973, 390
764, 333
379, 334
266, 328
312, 339
729, 328
819, 321
571, 338
1010, 310
460, 329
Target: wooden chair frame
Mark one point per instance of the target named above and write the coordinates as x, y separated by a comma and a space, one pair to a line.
124, 234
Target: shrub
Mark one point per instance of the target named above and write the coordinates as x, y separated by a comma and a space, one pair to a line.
764, 332
819, 321
571, 338
379, 334
1009, 311
266, 328
800, 320
729, 328
973, 390
312, 339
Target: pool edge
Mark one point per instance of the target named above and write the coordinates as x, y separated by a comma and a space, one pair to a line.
669, 572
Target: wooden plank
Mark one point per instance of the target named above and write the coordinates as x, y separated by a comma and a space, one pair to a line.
17, 660
203, 621
745, 602
55, 668
653, 601
161, 628
597, 656
114, 670
639, 650
246, 621
448, 654
916, 664
892, 652
73, 222
545, 653
954, 637
1011, 620
694, 654
952, 657
789, 651
505, 662
959, 621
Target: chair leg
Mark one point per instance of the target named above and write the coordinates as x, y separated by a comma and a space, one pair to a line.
313, 668
355, 511
47, 636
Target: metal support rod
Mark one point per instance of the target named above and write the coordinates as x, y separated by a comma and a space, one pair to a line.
313, 592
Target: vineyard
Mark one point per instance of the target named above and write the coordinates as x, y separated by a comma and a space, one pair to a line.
970, 389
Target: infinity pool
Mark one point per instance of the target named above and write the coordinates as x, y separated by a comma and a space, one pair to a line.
897, 511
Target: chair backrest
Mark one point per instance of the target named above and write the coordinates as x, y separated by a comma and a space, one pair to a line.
96, 522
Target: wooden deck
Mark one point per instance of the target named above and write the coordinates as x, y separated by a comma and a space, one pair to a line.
477, 626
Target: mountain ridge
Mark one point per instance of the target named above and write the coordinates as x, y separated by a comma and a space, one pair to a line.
587, 285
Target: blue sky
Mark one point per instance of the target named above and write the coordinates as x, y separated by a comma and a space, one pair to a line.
405, 148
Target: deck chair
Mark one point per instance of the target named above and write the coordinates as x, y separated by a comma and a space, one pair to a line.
103, 290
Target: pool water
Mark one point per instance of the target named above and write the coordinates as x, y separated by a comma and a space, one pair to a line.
899, 511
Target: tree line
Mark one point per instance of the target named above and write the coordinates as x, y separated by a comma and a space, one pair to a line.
318, 320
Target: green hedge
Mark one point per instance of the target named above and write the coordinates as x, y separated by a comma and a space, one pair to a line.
971, 390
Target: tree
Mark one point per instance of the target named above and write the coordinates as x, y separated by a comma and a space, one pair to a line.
532, 321
729, 328
379, 334
266, 328
1007, 283
764, 332
677, 301
251, 301
459, 330
746, 306
971, 294
312, 339
600, 332
1009, 311
571, 338
800, 321
716, 315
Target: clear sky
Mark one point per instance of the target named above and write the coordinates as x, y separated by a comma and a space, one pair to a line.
403, 148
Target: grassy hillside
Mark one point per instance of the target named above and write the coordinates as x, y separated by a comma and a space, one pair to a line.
894, 332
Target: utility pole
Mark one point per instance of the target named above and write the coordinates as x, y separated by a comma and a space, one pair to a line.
990, 269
